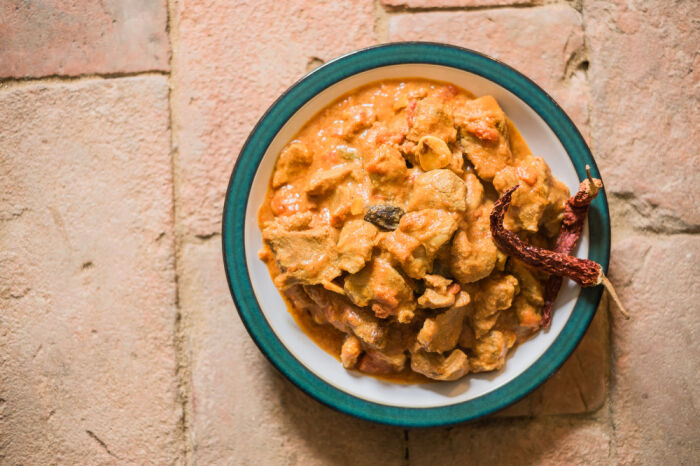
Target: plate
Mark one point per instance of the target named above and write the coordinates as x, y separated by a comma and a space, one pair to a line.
548, 131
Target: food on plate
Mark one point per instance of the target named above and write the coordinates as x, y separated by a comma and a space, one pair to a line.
377, 229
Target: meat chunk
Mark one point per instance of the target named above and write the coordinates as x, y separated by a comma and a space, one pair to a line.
382, 286
539, 200
355, 245
438, 366
475, 192
493, 294
484, 136
350, 351
431, 227
490, 351
430, 116
304, 256
439, 292
438, 189
355, 119
325, 180
416, 242
382, 363
407, 251
489, 297
528, 304
473, 253
293, 160
386, 168
441, 333
336, 310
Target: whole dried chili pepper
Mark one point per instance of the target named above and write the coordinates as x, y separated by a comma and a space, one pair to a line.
575, 214
583, 271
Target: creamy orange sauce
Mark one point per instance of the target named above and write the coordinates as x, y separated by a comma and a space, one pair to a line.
375, 226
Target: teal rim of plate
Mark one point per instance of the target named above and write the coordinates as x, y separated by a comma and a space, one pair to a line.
234, 214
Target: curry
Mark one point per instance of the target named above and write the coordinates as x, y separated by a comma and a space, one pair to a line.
376, 230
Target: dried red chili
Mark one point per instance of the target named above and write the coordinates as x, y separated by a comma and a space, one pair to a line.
575, 214
585, 272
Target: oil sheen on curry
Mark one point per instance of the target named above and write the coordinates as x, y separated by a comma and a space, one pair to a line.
376, 230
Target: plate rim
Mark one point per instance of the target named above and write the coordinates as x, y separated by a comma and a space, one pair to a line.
235, 204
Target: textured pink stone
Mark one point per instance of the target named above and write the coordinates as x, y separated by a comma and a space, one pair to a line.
645, 75
655, 382
61, 37
87, 289
546, 441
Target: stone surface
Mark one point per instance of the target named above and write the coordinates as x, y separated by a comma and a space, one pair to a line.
645, 123
70, 38
546, 441
87, 289
244, 412
544, 43
453, 3
579, 386
656, 355
223, 87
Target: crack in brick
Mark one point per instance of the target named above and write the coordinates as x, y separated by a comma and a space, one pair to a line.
423, 9
101, 443
645, 215
183, 372
14, 82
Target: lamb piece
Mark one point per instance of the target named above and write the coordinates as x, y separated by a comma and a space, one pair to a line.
437, 366
529, 316
382, 286
490, 351
530, 286
346, 200
355, 245
419, 237
438, 292
540, 199
304, 256
350, 351
493, 294
355, 119
467, 339
381, 363
325, 180
438, 189
441, 333
336, 310
475, 192
489, 297
387, 169
429, 116
473, 253
407, 251
293, 160
431, 228
296, 222
483, 129
528, 304
482, 325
